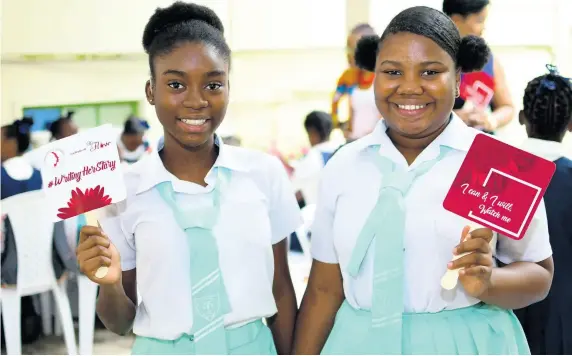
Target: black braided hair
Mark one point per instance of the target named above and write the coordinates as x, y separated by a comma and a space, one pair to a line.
183, 22
547, 105
470, 53
20, 130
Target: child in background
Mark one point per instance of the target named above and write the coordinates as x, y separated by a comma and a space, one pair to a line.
307, 170
132, 144
547, 116
18, 175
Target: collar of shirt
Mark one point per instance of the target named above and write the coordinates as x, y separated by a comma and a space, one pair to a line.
456, 135
152, 171
18, 168
550, 150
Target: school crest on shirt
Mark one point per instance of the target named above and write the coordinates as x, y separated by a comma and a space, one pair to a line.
208, 307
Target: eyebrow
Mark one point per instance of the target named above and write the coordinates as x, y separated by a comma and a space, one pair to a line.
213, 73
426, 63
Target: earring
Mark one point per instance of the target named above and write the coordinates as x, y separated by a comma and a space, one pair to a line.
457, 92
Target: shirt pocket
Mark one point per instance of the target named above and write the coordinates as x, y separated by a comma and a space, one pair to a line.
245, 220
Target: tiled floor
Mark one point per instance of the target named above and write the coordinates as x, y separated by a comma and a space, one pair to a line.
105, 343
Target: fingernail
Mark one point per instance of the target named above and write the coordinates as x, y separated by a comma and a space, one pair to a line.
450, 264
455, 251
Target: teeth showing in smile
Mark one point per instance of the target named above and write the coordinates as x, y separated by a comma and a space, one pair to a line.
411, 107
194, 122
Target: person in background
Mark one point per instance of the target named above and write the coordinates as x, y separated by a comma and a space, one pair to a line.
484, 101
308, 169
202, 232
132, 143
63, 127
381, 239
547, 117
356, 84
18, 175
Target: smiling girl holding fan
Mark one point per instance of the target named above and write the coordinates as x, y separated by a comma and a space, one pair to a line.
381, 239
202, 232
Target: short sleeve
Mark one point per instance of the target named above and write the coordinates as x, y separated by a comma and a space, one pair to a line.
285, 216
533, 247
113, 225
323, 227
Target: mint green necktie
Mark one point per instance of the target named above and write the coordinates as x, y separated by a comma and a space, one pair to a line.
210, 300
386, 223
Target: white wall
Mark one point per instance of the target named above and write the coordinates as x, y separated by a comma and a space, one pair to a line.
285, 62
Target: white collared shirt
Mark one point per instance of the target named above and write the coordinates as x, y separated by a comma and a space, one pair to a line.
258, 209
308, 170
550, 150
348, 193
19, 168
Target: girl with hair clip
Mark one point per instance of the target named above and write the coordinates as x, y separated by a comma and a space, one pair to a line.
547, 116
202, 233
132, 143
381, 239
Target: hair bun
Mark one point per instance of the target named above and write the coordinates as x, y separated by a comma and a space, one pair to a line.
366, 52
178, 13
473, 54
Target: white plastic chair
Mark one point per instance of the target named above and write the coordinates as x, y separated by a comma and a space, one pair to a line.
86, 303
33, 234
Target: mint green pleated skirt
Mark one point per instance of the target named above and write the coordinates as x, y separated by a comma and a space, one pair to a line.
251, 339
478, 330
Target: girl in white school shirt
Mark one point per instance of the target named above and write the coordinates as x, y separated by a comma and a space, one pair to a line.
383, 295
202, 232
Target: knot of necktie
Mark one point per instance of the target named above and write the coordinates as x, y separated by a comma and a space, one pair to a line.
205, 218
399, 180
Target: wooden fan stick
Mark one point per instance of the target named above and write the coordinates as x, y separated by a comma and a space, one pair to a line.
91, 219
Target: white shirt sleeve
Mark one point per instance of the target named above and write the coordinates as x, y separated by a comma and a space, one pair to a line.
285, 216
533, 247
322, 230
113, 225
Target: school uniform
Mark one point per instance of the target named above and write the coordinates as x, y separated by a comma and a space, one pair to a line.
394, 301
18, 176
187, 240
307, 170
548, 324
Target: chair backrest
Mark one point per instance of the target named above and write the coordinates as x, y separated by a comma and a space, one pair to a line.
33, 234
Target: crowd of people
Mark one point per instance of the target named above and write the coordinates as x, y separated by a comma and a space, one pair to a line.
197, 253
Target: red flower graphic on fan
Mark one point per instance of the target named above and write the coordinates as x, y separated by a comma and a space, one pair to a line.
82, 202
